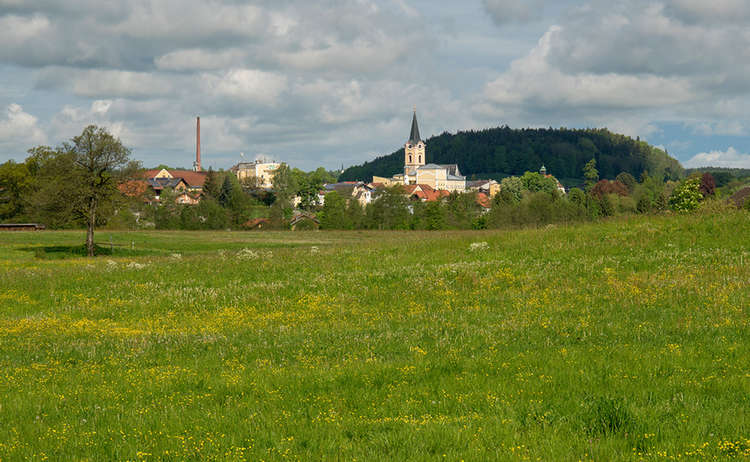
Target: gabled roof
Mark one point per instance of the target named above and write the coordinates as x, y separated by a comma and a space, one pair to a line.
192, 179
414, 137
161, 183
431, 167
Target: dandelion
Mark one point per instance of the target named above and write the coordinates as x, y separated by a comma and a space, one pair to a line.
176, 256
135, 265
314, 250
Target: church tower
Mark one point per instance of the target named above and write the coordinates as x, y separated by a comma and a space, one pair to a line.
414, 152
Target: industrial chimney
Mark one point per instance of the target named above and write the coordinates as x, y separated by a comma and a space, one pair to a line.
197, 165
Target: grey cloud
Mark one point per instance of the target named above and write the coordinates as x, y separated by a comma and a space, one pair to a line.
641, 37
510, 11
714, 11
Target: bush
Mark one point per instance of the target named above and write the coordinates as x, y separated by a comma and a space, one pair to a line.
686, 196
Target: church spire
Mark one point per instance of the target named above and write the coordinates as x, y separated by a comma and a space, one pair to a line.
414, 138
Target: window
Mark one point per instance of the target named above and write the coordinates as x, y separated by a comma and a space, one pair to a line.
420, 158
410, 159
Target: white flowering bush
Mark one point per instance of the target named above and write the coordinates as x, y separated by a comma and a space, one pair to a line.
247, 254
478, 246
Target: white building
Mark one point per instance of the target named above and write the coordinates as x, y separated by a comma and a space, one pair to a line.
262, 171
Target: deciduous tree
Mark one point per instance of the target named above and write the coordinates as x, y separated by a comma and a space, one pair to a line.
81, 177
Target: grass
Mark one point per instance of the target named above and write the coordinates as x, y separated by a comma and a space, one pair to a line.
622, 340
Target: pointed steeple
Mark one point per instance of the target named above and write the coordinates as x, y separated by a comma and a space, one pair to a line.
414, 138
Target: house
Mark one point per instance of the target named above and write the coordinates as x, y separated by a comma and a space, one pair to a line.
358, 190
187, 184
488, 187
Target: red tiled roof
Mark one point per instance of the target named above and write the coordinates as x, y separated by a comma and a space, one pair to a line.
435, 195
483, 200
193, 179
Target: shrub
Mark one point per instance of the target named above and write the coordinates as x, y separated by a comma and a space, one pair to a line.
686, 196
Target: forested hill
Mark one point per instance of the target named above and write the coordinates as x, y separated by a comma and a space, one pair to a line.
500, 152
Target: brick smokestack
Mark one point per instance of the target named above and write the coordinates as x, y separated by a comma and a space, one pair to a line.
198, 145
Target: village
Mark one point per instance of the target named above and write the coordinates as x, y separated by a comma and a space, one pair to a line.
420, 181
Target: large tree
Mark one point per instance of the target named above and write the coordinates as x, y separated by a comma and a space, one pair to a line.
81, 178
100, 162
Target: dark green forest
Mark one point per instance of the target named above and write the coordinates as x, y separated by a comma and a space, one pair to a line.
496, 153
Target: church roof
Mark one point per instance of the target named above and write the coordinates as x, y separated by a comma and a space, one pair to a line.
414, 137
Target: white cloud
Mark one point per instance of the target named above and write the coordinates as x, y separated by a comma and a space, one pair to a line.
247, 85
20, 130
729, 158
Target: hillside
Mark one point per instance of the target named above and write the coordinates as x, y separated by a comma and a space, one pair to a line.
503, 151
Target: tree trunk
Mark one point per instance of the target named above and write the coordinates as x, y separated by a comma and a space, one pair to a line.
90, 231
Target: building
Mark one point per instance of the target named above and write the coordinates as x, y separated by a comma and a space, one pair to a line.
259, 171
418, 171
357, 190
488, 187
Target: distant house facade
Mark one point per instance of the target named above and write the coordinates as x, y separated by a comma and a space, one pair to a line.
262, 172
187, 185
488, 187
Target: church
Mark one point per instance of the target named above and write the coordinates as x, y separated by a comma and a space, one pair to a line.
418, 171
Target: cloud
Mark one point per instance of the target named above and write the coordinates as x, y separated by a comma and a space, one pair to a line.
247, 85
333, 80
509, 11
19, 130
729, 158
630, 65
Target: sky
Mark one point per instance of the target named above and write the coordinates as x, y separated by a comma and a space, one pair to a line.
334, 82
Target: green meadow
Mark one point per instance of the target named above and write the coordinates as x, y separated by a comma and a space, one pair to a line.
620, 340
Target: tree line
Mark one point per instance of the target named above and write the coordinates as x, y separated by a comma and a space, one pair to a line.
531, 199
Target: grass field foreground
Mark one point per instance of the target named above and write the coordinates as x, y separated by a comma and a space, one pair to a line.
621, 340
